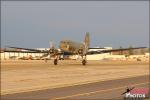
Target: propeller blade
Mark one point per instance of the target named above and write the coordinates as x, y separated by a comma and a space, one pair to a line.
52, 45
52, 49
85, 50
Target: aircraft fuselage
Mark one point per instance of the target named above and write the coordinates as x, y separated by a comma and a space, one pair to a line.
71, 46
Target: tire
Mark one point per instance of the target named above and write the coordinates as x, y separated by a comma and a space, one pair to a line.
55, 61
83, 62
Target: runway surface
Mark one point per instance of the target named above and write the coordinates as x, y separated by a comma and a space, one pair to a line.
31, 75
102, 90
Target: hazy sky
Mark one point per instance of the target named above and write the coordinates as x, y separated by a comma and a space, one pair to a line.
33, 24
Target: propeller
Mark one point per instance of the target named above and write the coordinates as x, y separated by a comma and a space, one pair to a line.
85, 50
52, 47
52, 44
50, 51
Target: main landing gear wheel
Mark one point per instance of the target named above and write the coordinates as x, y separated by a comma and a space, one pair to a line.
83, 62
55, 61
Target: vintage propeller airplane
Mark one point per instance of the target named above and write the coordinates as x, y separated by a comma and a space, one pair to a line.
69, 47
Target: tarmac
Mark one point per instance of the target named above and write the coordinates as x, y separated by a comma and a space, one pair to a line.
102, 90
19, 76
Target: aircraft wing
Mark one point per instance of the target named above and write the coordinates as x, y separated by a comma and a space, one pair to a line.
7, 50
51, 51
115, 50
27, 50
18, 49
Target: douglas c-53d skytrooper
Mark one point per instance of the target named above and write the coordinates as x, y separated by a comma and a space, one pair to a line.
71, 48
